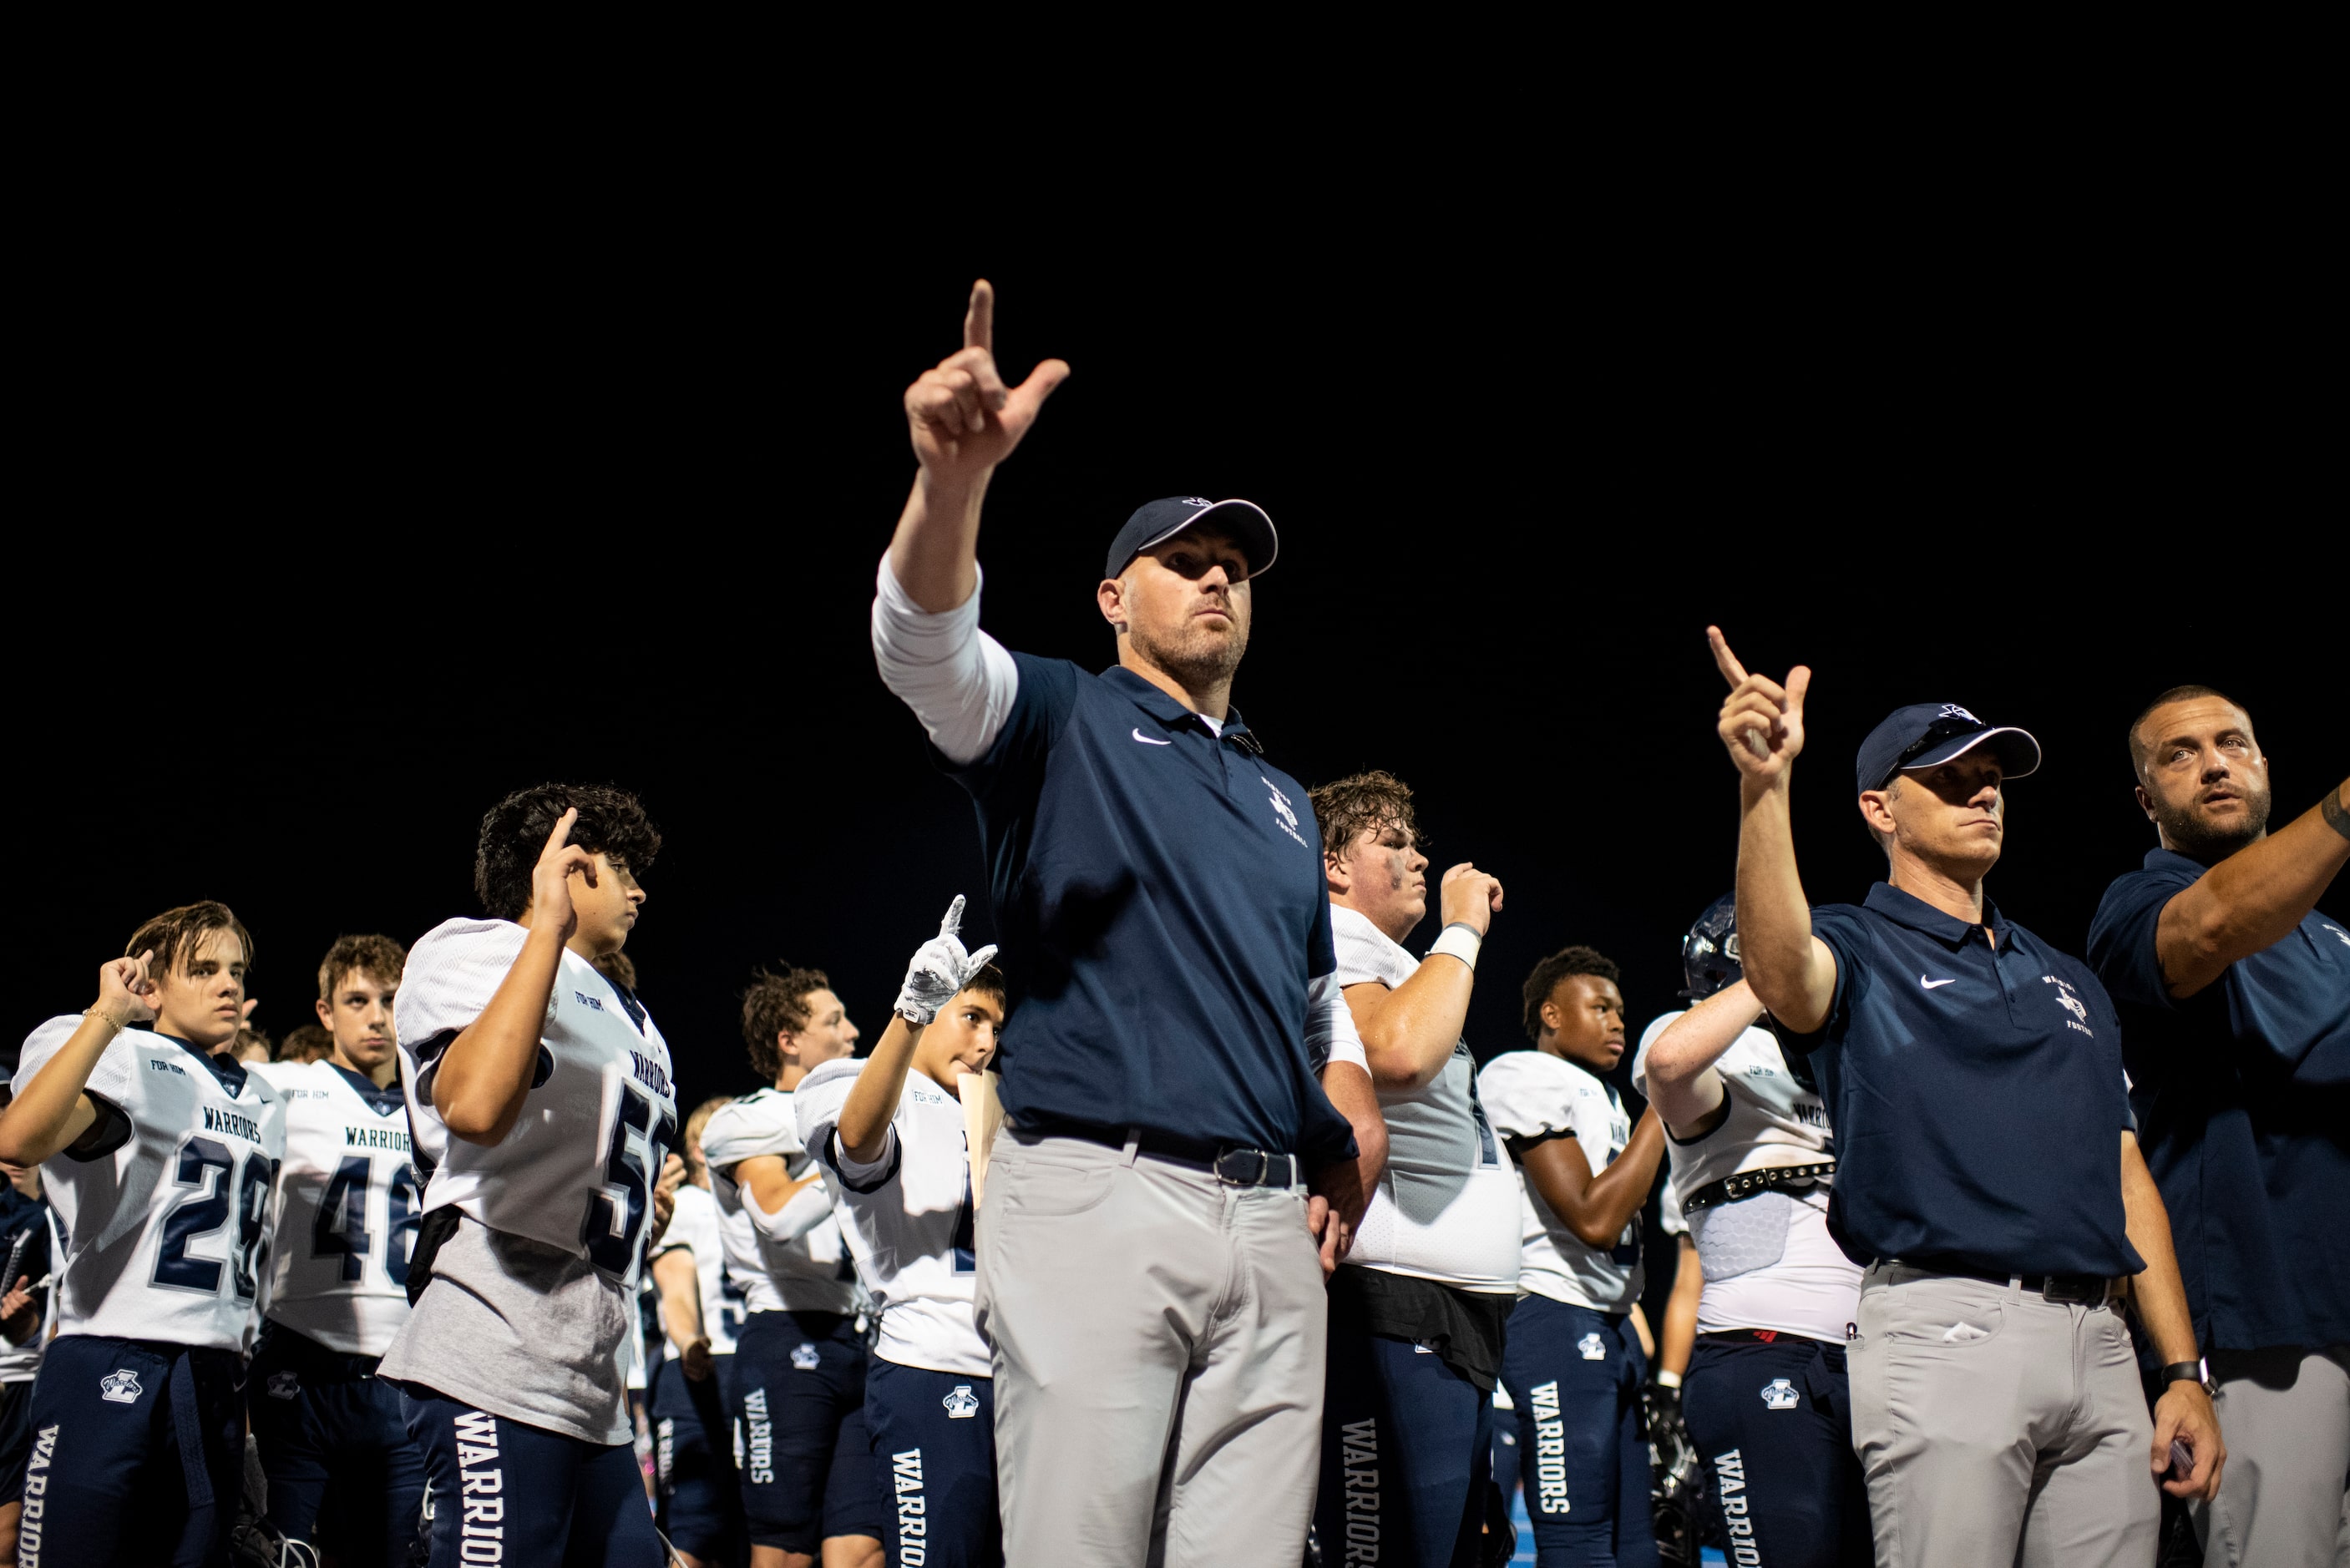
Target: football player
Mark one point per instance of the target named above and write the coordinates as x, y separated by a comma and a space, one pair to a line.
539, 1095
810, 1486
159, 1151
348, 1200
1574, 1364
30, 1241
893, 1141
693, 1387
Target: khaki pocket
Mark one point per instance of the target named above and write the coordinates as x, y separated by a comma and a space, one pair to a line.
1047, 1188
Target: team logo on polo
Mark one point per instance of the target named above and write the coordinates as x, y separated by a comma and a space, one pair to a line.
121, 1386
2072, 1004
1594, 1348
804, 1357
1282, 810
1780, 1395
960, 1402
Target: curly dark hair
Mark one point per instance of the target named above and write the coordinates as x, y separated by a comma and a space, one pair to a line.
378, 956
776, 1001
1375, 800
307, 1044
1557, 967
176, 934
514, 835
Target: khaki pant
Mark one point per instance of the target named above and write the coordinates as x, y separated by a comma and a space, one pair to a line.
2286, 1418
1996, 1426
1157, 1340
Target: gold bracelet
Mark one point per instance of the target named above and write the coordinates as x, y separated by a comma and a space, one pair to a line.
118, 1025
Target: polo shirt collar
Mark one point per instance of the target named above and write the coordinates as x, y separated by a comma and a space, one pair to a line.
1163, 708
1908, 909
2161, 859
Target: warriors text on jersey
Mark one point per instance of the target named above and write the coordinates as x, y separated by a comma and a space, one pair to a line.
908, 1217
169, 1225
348, 1200
577, 1170
791, 1261
1447, 1205
1532, 1096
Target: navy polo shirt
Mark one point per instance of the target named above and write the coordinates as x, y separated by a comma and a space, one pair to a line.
1976, 1091
1158, 898
2242, 1092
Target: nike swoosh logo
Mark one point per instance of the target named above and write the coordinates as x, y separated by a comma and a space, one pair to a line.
1930, 984
1148, 740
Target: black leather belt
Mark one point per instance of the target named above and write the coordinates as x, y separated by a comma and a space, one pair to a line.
1747, 1183
2066, 1290
1228, 1163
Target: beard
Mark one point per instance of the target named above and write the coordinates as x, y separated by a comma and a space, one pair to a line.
1194, 656
2200, 839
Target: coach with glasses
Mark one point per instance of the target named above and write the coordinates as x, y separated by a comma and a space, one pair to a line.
1987, 1180
1148, 1276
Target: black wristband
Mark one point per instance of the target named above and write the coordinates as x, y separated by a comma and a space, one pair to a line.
2183, 1372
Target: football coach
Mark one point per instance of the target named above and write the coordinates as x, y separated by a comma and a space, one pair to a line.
1149, 1264
1988, 1180
2235, 999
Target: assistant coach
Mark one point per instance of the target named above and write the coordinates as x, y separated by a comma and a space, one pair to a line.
1147, 1252
1987, 1179
2235, 1002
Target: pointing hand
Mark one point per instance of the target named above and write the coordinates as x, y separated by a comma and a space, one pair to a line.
939, 970
963, 420
1761, 722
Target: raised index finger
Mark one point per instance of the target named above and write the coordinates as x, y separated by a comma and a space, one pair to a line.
1723, 660
953, 922
978, 321
562, 833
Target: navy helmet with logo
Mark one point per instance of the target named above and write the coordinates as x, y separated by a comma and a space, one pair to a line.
1710, 951
1928, 734
1155, 522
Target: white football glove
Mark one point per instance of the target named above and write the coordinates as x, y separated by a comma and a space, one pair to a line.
939, 968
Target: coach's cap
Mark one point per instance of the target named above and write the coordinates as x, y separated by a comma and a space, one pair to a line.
1159, 521
1926, 734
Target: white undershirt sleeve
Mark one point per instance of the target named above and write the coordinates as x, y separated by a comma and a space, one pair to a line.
802, 1213
1330, 1025
959, 681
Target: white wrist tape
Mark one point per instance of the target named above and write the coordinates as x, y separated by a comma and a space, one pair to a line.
1460, 940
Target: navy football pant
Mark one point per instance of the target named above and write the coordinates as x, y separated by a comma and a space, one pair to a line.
138, 1454
700, 1505
1574, 1376
807, 1458
520, 1496
1407, 1451
934, 1450
343, 1472
1773, 1423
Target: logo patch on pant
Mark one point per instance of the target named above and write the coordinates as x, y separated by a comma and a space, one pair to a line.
121, 1386
960, 1402
1594, 1348
804, 1358
1780, 1395
285, 1385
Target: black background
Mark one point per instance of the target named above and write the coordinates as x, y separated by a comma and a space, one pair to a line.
333, 559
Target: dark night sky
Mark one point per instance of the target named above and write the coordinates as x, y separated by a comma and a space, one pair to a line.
398, 551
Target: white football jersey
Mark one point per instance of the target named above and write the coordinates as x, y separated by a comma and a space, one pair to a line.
348, 1200
1533, 1094
694, 1228
577, 1170
170, 1231
1773, 1263
908, 1221
1447, 1205
811, 1272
